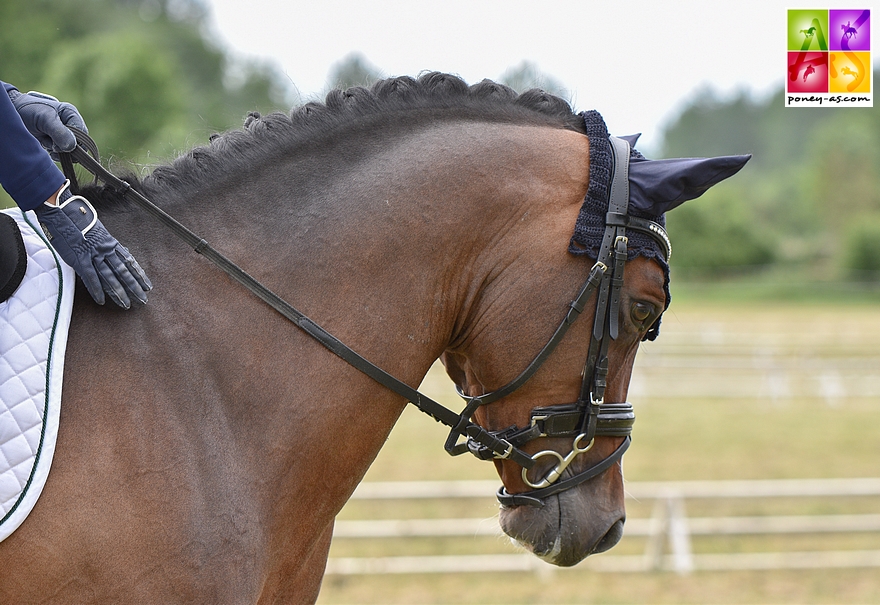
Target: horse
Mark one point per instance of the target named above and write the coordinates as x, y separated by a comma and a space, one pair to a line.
808, 71
206, 443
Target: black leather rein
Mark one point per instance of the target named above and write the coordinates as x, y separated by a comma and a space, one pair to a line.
608, 419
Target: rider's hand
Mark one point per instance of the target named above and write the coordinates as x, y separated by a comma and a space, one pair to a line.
46, 118
83, 242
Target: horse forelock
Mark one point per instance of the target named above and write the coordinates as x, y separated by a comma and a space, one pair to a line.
390, 106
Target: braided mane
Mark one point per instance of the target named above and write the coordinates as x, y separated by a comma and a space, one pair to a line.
389, 105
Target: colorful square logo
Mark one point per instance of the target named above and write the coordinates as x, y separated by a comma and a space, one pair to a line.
828, 58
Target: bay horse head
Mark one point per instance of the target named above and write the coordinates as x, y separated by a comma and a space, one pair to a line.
419, 219
560, 498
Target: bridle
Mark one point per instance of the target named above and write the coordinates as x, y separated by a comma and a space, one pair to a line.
583, 420
589, 417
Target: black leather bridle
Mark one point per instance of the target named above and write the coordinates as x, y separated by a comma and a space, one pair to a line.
589, 417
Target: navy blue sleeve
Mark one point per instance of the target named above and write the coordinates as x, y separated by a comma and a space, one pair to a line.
27, 173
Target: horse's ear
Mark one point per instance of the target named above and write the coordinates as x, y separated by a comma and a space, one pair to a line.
632, 139
658, 186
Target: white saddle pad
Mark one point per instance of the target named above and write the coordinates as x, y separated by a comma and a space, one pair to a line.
33, 338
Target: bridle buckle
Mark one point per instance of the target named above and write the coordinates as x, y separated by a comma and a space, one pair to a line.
508, 450
535, 420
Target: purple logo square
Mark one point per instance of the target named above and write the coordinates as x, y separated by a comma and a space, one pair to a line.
849, 29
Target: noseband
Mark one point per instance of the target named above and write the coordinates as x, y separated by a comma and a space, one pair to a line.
583, 420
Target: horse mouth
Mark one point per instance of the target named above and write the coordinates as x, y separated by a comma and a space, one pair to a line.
559, 535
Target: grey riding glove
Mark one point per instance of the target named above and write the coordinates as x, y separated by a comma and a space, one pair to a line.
47, 118
83, 242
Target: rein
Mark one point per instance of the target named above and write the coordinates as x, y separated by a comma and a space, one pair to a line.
427, 405
588, 418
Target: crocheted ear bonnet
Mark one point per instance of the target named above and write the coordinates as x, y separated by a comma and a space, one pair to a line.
656, 186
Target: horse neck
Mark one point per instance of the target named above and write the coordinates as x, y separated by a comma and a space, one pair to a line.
401, 241
392, 254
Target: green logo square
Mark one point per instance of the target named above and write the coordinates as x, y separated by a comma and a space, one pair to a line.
808, 29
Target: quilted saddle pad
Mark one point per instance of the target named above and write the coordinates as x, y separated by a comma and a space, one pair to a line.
33, 335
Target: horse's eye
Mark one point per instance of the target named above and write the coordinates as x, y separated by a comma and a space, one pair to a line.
641, 312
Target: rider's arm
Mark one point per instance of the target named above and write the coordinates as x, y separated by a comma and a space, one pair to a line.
33, 125
27, 173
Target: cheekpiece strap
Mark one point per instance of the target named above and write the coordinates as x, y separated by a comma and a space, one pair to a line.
618, 200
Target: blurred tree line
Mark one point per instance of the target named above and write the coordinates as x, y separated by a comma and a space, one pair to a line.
810, 196
144, 73
150, 83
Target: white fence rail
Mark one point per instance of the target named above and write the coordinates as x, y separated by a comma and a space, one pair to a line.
668, 531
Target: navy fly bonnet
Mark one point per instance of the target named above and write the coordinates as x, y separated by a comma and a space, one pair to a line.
655, 187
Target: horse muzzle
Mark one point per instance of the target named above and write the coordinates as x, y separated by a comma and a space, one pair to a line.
570, 527
582, 513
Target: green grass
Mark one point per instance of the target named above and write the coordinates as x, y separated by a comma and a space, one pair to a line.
677, 437
817, 586
777, 284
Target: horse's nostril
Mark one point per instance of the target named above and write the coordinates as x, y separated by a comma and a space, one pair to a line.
611, 537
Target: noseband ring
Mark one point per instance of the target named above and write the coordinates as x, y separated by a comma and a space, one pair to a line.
563, 462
